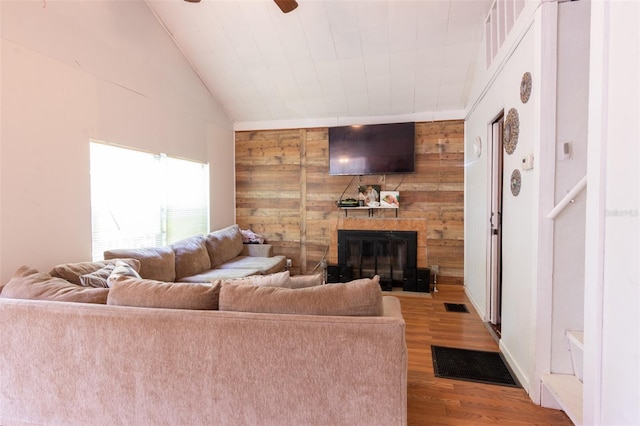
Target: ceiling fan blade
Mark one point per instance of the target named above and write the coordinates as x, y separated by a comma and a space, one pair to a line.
286, 6
192, 1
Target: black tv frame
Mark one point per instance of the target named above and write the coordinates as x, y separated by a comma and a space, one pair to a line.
372, 149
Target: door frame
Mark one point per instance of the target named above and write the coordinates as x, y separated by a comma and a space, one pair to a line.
495, 205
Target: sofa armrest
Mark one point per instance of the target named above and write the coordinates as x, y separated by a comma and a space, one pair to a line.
391, 307
257, 250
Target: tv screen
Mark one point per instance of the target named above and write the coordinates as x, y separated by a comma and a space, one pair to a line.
372, 149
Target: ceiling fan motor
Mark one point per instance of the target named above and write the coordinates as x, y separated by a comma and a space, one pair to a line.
285, 6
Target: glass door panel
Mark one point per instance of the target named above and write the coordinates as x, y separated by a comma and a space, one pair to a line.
368, 259
399, 260
384, 260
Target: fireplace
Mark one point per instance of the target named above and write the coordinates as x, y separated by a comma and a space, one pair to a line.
389, 254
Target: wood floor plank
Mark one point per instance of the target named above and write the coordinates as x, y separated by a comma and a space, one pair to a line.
437, 401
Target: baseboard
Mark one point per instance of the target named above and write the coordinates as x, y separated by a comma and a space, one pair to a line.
480, 310
515, 367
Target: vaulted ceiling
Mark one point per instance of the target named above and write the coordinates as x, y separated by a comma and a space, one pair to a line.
330, 59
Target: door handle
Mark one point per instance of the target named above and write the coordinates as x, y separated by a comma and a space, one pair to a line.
494, 230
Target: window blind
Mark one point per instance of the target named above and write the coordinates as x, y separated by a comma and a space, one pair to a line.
140, 199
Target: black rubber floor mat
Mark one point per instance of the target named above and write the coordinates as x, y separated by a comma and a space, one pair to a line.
456, 307
471, 365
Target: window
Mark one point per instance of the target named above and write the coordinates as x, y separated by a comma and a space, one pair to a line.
140, 199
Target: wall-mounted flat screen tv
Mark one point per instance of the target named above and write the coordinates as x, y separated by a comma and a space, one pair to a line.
372, 149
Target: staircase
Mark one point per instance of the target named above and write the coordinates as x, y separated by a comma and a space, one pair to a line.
564, 391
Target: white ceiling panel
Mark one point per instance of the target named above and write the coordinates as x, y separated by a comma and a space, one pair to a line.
329, 59
336, 104
316, 107
311, 91
459, 54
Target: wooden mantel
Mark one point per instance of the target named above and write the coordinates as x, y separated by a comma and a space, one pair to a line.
382, 224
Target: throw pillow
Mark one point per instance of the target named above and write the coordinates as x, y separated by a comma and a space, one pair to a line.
97, 278
357, 298
192, 257
28, 283
126, 291
303, 281
224, 244
73, 271
121, 269
279, 279
156, 263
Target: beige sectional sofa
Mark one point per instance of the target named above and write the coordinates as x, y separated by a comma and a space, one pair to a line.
264, 350
202, 258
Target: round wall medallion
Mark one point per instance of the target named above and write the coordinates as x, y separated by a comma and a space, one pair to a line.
511, 130
516, 182
525, 87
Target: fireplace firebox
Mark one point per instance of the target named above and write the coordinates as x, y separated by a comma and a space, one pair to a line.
389, 254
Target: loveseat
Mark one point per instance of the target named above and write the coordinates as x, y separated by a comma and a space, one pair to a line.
263, 350
202, 258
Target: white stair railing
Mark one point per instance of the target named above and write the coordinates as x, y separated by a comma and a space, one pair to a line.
567, 199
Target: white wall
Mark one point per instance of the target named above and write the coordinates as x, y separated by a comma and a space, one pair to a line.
612, 297
519, 221
487, 100
74, 71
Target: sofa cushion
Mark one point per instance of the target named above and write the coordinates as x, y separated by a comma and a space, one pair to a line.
257, 250
224, 244
266, 265
121, 270
98, 278
28, 283
126, 291
156, 263
361, 297
280, 279
304, 281
192, 257
73, 271
219, 274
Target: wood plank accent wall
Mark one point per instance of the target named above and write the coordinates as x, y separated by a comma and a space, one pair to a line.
284, 192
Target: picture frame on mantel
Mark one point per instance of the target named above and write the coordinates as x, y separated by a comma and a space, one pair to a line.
390, 199
369, 195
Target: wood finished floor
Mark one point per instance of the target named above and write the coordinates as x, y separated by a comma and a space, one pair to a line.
436, 401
